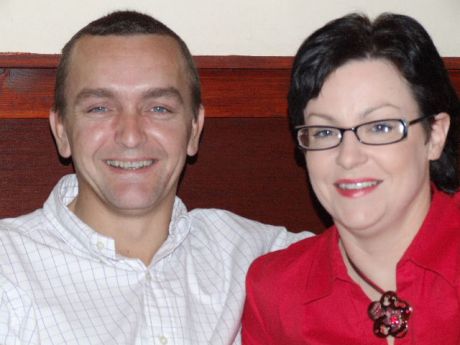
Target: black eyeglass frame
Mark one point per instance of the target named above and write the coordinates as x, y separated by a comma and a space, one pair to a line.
406, 125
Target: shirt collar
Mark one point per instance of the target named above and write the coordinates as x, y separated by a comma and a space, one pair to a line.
179, 228
69, 227
325, 268
83, 238
438, 234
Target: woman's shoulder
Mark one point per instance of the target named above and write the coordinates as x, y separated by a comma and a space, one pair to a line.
456, 197
446, 207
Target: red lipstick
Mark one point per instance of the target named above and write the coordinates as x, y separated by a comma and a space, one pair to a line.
355, 188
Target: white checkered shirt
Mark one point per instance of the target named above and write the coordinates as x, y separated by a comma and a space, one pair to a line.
63, 283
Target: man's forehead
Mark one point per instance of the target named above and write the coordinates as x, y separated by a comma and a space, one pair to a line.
155, 43
128, 64
113, 54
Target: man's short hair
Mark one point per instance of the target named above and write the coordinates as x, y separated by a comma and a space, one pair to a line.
123, 23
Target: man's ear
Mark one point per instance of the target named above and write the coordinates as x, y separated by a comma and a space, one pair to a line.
439, 130
60, 134
197, 127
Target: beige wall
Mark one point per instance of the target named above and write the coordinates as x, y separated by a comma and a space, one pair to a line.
217, 27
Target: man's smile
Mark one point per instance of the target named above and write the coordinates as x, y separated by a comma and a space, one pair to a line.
129, 165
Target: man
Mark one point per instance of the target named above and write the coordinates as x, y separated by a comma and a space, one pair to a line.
114, 257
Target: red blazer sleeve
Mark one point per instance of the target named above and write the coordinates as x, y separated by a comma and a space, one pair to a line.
254, 330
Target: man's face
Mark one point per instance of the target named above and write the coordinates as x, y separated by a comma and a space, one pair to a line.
129, 123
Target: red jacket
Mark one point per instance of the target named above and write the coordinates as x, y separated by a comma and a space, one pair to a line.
303, 294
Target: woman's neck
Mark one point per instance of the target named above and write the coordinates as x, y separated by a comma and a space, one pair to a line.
376, 251
379, 266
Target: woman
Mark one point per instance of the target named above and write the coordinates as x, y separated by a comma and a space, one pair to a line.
374, 112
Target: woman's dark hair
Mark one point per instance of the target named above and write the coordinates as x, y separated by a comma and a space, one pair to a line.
398, 39
124, 23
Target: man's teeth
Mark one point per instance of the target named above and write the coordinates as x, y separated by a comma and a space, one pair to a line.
129, 165
358, 185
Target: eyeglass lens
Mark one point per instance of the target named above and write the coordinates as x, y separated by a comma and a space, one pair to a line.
380, 132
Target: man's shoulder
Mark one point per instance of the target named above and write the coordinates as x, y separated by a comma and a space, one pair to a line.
17, 314
298, 257
21, 224
224, 226
18, 234
226, 219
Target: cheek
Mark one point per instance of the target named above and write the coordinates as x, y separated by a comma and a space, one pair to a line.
319, 169
88, 138
409, 158
318, 164
173, 138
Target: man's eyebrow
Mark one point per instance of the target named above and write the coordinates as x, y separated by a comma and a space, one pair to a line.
169, 92
98, 93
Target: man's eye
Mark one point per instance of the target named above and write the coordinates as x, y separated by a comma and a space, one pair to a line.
98, 109
160, 109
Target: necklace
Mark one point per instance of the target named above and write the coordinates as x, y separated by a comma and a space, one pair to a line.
390, 314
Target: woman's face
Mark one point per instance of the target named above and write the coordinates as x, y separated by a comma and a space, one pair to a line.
369, 188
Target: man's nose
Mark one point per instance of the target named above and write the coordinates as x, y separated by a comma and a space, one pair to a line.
130, 130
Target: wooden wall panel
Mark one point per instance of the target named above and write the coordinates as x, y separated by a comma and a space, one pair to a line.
248, 165
453, 66
246, 161
26, 92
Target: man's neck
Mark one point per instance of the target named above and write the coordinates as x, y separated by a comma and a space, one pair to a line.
136, 235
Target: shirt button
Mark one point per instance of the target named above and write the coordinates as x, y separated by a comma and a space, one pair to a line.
100, 245
163, 340
148, 276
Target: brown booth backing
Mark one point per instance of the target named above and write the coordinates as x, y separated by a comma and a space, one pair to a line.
246, 163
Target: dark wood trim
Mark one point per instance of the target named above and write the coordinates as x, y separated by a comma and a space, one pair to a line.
452, 63
30, 60
244, 62
26, 60
233, 86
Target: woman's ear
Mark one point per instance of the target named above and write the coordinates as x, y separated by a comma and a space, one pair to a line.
60, 134
438, 136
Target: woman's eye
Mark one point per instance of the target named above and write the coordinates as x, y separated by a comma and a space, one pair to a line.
381, 127
323, 133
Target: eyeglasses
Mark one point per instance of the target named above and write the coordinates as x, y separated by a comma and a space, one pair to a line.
380, 132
